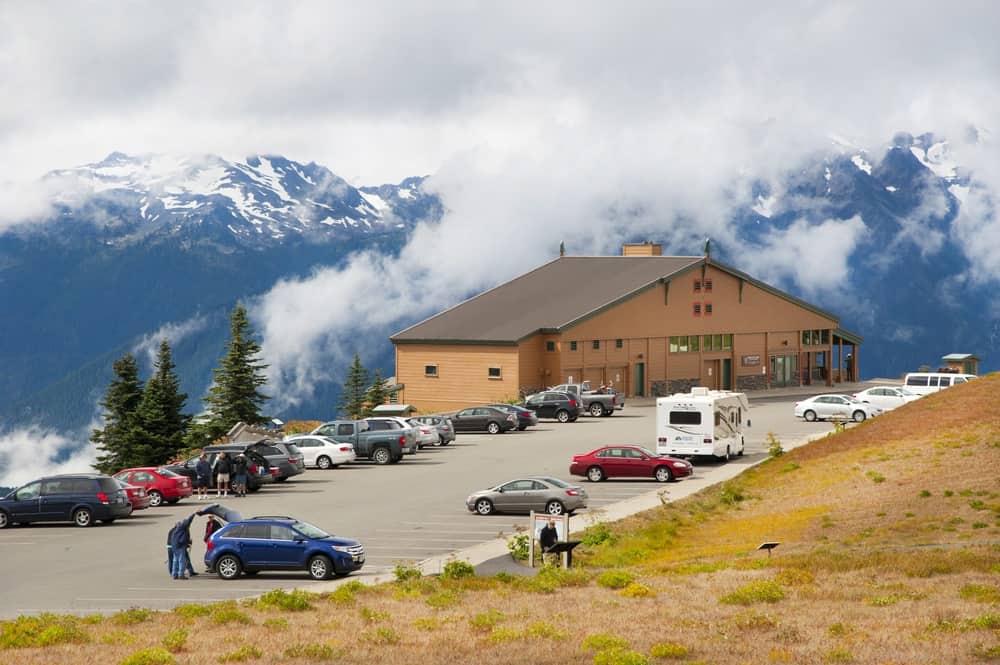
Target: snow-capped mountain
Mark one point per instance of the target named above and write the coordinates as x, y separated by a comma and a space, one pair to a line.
262, 200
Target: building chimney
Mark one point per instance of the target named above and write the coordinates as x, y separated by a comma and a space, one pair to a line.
647, 248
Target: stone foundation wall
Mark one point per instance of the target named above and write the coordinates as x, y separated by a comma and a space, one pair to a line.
671, 386
751, 382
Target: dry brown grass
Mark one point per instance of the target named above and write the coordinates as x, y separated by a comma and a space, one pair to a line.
890, 553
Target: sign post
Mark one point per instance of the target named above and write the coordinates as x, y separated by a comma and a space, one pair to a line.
537, 522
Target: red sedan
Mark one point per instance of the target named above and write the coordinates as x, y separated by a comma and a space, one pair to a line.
160, 484
629, 462
136, 495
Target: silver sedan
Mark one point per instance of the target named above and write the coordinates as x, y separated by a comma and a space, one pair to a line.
538, 493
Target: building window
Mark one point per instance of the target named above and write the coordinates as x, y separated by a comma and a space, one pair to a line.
673, 345
697, 286
618, 344
572, 346
430, 370
727, 342
597, 344
550, 346
708, 309
694, 342
708, 286
697, 309
826, 336
682, 344
806, 336
707, 343
815, 337
494, 373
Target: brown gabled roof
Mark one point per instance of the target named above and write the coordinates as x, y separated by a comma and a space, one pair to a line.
550, 297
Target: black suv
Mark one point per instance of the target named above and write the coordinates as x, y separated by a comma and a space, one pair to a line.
564, 407
260, 468
283, 455
78, 498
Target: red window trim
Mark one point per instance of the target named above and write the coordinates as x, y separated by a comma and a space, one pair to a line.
697, 309
707, 308
707, 285
696, 286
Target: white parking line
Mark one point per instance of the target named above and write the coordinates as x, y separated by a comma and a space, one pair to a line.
424, 540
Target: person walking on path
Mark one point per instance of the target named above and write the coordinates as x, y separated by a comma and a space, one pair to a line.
547, 537
223, 467
240, 470
203, 476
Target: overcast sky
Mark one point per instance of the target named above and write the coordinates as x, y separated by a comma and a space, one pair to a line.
582, 122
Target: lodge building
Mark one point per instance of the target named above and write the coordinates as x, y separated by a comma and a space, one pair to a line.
648, 324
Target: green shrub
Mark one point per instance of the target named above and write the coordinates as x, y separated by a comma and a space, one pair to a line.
444, 598
791, 466
118, 638
43, 630
875, 477
615, 579
668, 650
504, 577
313, 652
373, 616
598, 534
404, 572
731, 494
794, 577
774, 448
603, 642
637, 590
175, 640
193, 611
545, 630
277, 623
764, 591
838, 655
456, 570
380, 636
517, 545
279, 599
226, 612
924, 494
150, 656
500, 634
620, 657
245, 652
986, 653
980, 593
346, 594
131, 616
486, 621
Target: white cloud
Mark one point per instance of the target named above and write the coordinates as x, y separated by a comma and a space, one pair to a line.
173, 333
31, 452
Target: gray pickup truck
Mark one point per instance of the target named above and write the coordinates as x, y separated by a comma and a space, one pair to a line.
602, 402
380, 446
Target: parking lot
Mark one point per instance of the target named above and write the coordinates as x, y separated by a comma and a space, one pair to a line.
402, 513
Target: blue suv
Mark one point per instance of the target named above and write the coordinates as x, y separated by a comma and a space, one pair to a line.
278, 543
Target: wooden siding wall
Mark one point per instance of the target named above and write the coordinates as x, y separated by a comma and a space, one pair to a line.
538, 367
462, 375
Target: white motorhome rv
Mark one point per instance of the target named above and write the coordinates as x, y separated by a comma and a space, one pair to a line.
701, 423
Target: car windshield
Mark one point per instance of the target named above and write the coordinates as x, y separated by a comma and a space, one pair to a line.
310, 531
167, 473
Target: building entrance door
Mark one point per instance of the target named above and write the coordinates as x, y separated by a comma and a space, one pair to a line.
784, 370
727, 374
640, 379
710, 375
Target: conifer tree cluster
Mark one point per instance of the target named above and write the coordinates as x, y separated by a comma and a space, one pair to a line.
359, 398
144, 425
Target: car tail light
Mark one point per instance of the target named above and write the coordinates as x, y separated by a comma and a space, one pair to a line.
402, 440
572, 402
614, 399
275, 472
209, 545
293, 460
345, 449
102, 497
572, 493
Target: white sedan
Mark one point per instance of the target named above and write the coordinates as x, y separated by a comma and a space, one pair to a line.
427, 435
886, 398
322, 452
822, 407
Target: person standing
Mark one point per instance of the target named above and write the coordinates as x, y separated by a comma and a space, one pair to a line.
548, 537
240, 470
203, 476
223, 468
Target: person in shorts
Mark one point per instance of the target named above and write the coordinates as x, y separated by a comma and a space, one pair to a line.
241, 468
223, 468
203, 477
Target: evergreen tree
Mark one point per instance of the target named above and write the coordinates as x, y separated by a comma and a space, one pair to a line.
119, 442
234, 395
376, 393
352, 399
160, 416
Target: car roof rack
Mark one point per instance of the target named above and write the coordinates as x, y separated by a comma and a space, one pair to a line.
272, 517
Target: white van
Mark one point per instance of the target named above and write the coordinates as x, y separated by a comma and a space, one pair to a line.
923, 383
701, 423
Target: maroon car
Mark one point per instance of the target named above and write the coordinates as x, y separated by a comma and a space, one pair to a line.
629, 462
136, 495
161, 485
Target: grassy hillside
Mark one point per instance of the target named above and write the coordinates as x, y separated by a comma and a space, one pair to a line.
890, 553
